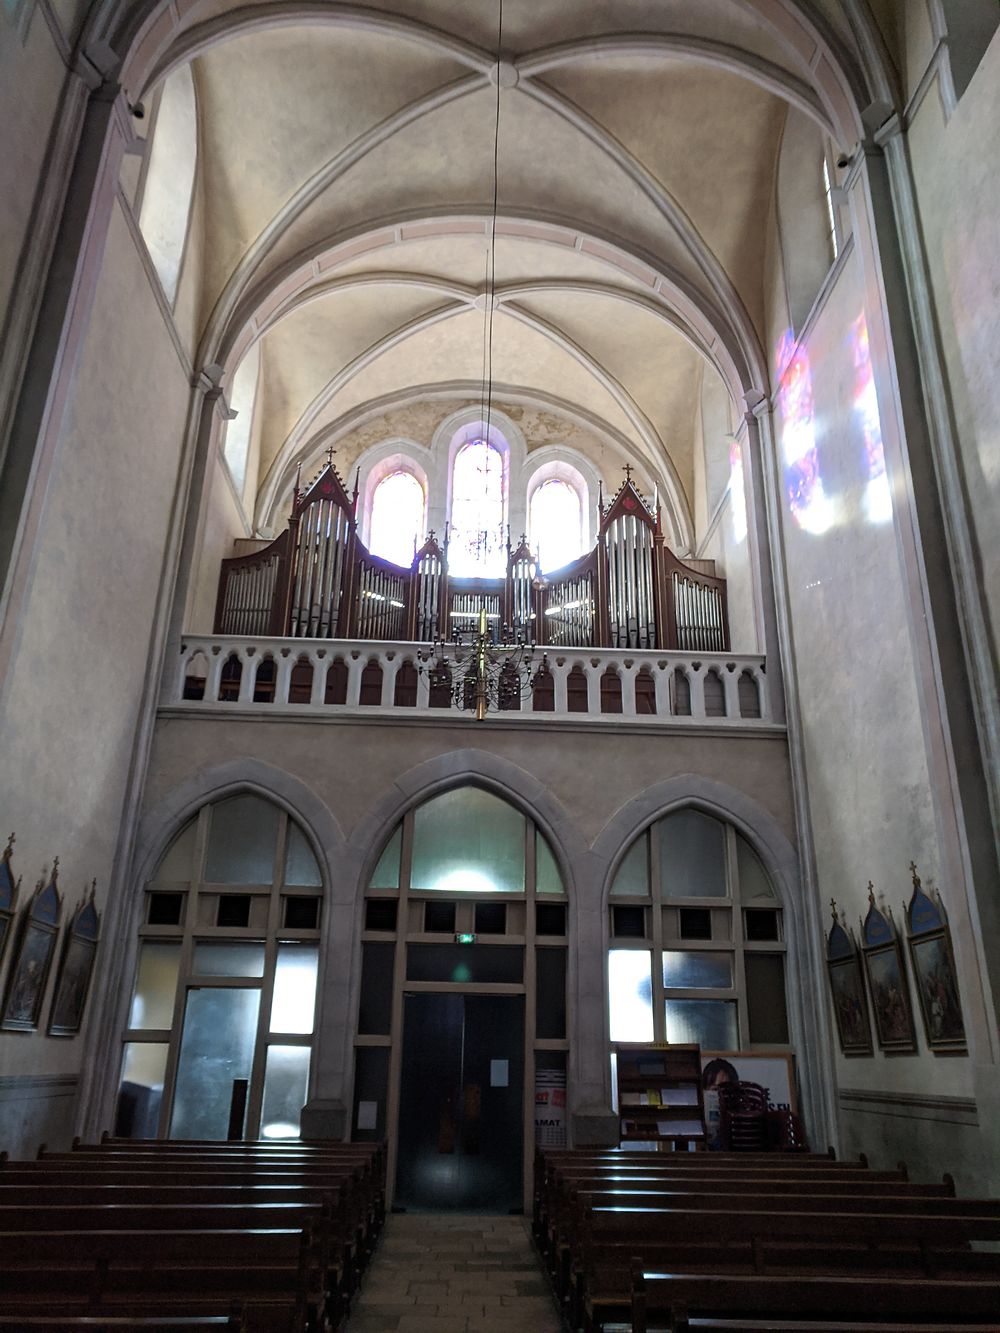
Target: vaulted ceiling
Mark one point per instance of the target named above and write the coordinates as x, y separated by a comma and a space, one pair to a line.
347, 178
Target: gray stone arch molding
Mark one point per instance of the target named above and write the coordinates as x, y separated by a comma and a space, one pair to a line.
461, 768
210, 785
808, 1015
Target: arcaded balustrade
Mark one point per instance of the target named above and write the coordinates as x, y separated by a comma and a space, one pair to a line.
310, 676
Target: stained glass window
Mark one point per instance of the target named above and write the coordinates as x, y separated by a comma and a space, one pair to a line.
554, 522
397, 518
477, 542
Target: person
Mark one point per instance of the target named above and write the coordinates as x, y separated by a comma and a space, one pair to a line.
718, 1071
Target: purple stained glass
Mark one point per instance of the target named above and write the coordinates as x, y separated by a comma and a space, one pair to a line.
477, 543
397, 518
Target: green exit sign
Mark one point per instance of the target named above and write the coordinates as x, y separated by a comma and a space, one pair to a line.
465, 938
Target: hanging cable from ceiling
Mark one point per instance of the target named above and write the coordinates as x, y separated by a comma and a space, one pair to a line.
491, 270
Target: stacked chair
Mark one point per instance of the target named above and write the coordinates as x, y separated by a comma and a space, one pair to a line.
743, 1117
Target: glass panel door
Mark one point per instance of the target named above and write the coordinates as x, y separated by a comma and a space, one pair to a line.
217, 1046
461, 1113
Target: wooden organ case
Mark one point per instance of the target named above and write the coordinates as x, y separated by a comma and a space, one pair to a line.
318, 580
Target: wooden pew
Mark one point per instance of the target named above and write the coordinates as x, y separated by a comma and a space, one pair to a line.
559, 1184
159, 1231
132, 1323
187, 1273
181, 1206
747, 1217
762, 1242
669, 1300
564, 1224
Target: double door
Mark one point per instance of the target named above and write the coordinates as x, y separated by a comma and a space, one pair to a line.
461, 1106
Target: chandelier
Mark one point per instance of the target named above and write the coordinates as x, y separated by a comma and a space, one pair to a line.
486, 669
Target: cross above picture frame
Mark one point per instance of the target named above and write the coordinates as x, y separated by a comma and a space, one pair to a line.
76, 966
928, 937
29, 971
887, 985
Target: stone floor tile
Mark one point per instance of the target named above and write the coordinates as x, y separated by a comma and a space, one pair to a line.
455, 1274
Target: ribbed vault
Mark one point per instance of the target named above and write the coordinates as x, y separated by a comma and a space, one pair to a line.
346, 178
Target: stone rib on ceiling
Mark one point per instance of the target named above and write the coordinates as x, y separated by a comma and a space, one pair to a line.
660, 134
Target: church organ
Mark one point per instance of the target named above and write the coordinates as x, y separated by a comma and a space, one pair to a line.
318, 580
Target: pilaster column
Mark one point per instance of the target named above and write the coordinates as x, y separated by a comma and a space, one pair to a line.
931, 528
67, 297
761, 556
592, 1121
213, 404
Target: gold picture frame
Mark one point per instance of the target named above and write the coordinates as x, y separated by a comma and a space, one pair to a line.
888, 989
76, 967
847, 990
928, 937
9, 889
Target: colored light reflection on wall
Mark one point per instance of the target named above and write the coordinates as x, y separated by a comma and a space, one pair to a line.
807, 501
877, 497
737, 492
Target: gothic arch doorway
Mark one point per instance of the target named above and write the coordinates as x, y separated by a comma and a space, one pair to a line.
462, 1016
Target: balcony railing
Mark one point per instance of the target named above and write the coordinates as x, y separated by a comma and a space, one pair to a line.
309, 677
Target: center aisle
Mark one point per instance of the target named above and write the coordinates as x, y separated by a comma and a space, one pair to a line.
437, 1273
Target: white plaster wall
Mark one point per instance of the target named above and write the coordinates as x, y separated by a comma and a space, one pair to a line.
726, 544
68, 725
31, 79
957, 171
222, 522
869, 789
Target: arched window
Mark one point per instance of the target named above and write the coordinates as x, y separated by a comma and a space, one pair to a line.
466, 896
169, 182
697, 941
555, 521
831, 215
397, 521
239, 430
477, 541
225, 986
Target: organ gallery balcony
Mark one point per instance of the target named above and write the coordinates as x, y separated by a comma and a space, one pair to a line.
314, 624
312, 678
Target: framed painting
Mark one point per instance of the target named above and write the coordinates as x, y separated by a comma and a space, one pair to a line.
886, 972
29, 969
9, 887
76, 967
928, 936
847, 990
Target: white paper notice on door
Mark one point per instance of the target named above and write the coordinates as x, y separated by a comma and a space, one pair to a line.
499, 1073
367, 1115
